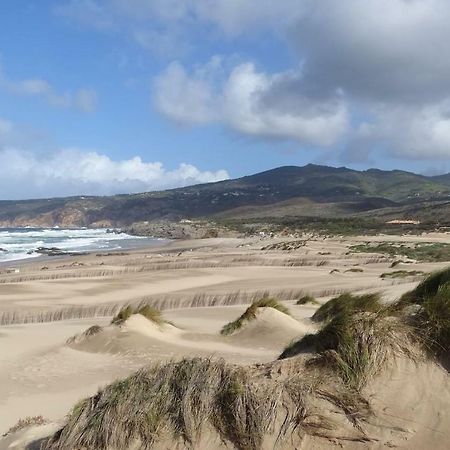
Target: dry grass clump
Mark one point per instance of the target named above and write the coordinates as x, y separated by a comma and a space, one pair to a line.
91, 331
354, 270
348, 302
307, 299
180, 403
177, 401
358, 345
401, 274
150, 313
27, 422
251, 312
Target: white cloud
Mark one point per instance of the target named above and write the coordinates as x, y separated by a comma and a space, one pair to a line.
185, 99
84, 100
74, 172
381, 65
238, 100
417, 133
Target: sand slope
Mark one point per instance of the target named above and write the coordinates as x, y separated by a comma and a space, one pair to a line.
140, 337
270, 329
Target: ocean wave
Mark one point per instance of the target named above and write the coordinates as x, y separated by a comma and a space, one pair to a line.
21, 243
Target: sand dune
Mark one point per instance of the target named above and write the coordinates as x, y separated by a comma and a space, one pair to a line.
270, 329
43, 374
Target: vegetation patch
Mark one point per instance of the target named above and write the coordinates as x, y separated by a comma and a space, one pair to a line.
27, 422
428, 287
431, 314
360, 335
401, 274
307, 299
428, 252
181, 402
348, 303
285, 246
357, 345
91, 331
251, 312
150, 313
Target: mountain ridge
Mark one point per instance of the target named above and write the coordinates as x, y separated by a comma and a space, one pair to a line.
284, 189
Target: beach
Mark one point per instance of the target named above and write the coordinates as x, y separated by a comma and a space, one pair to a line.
200, 285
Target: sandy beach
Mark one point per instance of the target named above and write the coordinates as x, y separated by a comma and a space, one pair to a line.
200, 285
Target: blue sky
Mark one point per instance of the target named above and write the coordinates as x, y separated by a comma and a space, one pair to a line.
107, 96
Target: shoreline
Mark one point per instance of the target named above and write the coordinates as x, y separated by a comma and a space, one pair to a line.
79, 252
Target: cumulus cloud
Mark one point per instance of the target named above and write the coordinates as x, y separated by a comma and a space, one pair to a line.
242, 100
380, 65
381, 50
67, 172
185, 98
84, 100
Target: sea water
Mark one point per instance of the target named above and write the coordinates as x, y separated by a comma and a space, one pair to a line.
22, 243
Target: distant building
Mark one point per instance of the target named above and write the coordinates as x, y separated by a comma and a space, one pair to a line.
403, 222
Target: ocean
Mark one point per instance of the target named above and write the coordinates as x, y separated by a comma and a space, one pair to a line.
22, 243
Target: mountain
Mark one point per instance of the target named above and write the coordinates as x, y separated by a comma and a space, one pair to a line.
312, 190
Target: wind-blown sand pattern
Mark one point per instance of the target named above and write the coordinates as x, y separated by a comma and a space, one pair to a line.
47, 364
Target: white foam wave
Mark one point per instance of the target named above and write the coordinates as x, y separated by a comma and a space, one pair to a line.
22, 243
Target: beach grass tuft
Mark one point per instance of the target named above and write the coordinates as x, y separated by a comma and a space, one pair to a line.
150, 313
348, 302
307, 299
251, 312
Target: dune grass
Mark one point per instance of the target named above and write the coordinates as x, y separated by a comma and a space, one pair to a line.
179, 403
428, 287
430, 312
348, 302
401, 274
161, 302
27, 422
307, 299
250, 314
357, 345
354, 270
360, 335
91, 331
150, 313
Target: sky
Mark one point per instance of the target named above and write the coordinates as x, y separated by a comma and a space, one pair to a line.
115, 96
